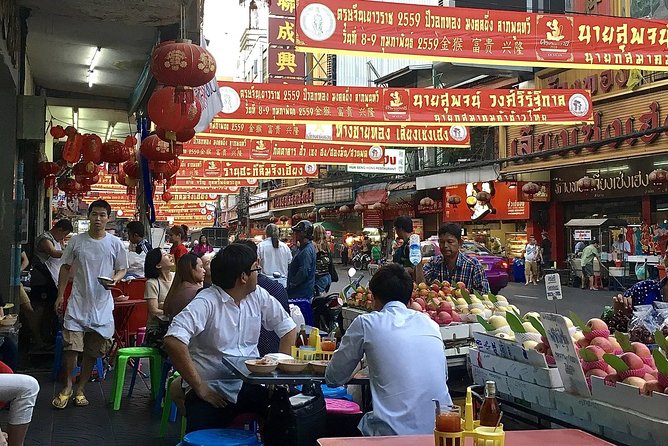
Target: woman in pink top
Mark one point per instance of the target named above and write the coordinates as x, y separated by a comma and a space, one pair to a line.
187, 282
202, 247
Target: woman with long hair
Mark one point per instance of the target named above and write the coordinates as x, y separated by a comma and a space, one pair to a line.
178, 234
274, 255
323, 261
187, 282
157, 269
203, 247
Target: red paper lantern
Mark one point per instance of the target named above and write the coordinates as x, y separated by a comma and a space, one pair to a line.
358, 207
155, 149
344, 209
167, 196
69, 186
170, 182
311, 216
70, 131
57, 131
658, 177
91, 148
131, 169
323, 211
586, 183
48, 171
126, 180
86, 182
183, 136
114, 153
72, 149
163, 170
181, 62
172, 113
130, 141
530, 189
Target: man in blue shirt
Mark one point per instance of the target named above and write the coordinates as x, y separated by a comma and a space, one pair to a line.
405, 356
301, 271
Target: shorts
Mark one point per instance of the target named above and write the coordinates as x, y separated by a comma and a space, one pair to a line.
532, 266
91, 343
588, 270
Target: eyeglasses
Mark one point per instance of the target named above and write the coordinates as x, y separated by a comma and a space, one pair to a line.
254, 270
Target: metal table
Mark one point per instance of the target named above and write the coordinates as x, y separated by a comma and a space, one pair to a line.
237, 365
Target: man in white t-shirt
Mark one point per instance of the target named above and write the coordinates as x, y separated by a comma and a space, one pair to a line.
273, 254
225, 319
622, 247
88, 323
531, 256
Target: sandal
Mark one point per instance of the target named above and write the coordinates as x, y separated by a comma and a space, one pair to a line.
80, 400
61, 400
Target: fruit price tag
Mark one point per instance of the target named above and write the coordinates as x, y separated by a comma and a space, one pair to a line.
565, 355
553, 286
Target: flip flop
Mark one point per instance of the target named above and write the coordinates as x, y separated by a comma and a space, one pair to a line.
61, 400
80, 400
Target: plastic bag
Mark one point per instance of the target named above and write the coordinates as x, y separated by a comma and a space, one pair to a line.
296, 315
643, 325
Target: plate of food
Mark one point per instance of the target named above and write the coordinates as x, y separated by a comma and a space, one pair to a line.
264, 365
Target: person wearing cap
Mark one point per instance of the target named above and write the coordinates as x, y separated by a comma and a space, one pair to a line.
587, 262
301, 272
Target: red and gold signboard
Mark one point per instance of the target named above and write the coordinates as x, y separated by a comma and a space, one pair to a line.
214, 168
282, 31
218, 186
262, 103
504, 203
372, 218
282, 7
480, 36
293, 200
286, 62
268, 151
349, 134
286, 80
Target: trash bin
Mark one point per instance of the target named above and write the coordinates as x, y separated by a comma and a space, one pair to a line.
518, 270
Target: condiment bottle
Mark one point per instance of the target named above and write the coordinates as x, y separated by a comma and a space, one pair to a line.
302, 339
490, 410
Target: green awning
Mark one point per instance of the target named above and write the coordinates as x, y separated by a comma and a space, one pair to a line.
330, 226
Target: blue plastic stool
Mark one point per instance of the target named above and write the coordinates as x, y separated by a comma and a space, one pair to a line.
58, 361
305, 307
339, 393
220, 437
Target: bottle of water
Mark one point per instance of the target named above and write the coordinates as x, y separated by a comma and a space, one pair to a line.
414, 253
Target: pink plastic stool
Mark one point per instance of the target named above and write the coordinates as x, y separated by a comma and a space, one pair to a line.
335, 406
141, 333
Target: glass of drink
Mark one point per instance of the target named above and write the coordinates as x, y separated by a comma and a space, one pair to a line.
449, 421
328, 344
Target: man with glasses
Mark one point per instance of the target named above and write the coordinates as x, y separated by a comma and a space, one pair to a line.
225, 319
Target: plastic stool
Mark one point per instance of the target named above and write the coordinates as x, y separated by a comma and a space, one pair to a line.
122, 357
58, 361
305, 307
169, 412
220, 437
335, 406
598, 283
334, 392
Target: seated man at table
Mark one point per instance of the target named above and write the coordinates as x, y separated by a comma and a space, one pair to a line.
225, 319
404, 353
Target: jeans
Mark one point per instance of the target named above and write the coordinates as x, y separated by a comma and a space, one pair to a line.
252, 398
322, 283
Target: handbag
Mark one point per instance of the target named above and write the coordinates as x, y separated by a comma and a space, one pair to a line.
297, 420
332, 270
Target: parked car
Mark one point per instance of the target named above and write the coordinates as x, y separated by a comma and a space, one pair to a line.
496, 268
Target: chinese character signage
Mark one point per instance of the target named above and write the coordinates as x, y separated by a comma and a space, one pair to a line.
484, 201
273, 103
268, 150
293, 200
282, 31
286, 62
349, 134
282, 7
213, 168
480, 36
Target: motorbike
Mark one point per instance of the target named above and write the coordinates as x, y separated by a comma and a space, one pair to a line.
327, 314
361, 261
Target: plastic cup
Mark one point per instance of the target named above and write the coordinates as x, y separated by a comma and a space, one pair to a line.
449, 421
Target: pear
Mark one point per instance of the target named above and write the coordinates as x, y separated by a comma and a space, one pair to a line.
497, 321
531, 313
529, 328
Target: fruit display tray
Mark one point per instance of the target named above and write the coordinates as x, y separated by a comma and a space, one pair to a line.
541, 376
531, 393
508, 349
626, 396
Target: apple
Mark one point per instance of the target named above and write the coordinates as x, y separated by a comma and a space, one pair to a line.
582, 342
435, 287
445, 283
633, 361
422, 303
415, 306
598, 351
445, 317
653, 386
498, 321
596, 372
423, 292
461, 285
445, 306
636, 382
641, 350
456, 317
431, 313
603, 343
422, 286
598, 329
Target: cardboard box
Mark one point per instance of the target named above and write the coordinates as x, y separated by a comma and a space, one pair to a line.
542, 376
522, 390
475, 327
508, 349
455, 331
623, 395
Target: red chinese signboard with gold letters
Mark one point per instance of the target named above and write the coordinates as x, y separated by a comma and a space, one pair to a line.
282, 7
480, 36
266, 151
349, 134
249, 102
282, 31
286, 62
213, 168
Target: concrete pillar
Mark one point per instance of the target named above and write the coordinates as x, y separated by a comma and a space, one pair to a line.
8, 267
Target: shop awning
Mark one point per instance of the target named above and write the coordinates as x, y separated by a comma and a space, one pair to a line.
463, 176
372, 194
330, 226
595, 222
401, 196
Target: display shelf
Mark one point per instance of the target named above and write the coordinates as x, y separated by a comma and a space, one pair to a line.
515, 244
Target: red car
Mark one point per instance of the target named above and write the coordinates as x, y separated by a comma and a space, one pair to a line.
496, 268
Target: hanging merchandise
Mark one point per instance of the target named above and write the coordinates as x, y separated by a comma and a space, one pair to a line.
48, 171
114, 152
182, 63
70, 187
85, 169
183, 136
530, 189
164, 170
57, 131
91, 148
154, 149
173, 115
72, 149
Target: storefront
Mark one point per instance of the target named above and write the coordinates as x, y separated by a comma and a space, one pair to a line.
259, 213
290, 205
620, 185
492, 213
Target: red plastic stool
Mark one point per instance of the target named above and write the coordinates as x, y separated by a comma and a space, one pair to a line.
598, 283
141, 334
335, 406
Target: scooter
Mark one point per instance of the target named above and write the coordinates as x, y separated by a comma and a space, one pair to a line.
350, 289
361, 260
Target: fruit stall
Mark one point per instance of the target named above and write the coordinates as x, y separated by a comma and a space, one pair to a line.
453, 308
571, 373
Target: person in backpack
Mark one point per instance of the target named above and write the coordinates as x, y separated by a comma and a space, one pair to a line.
324, 263
301, 272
